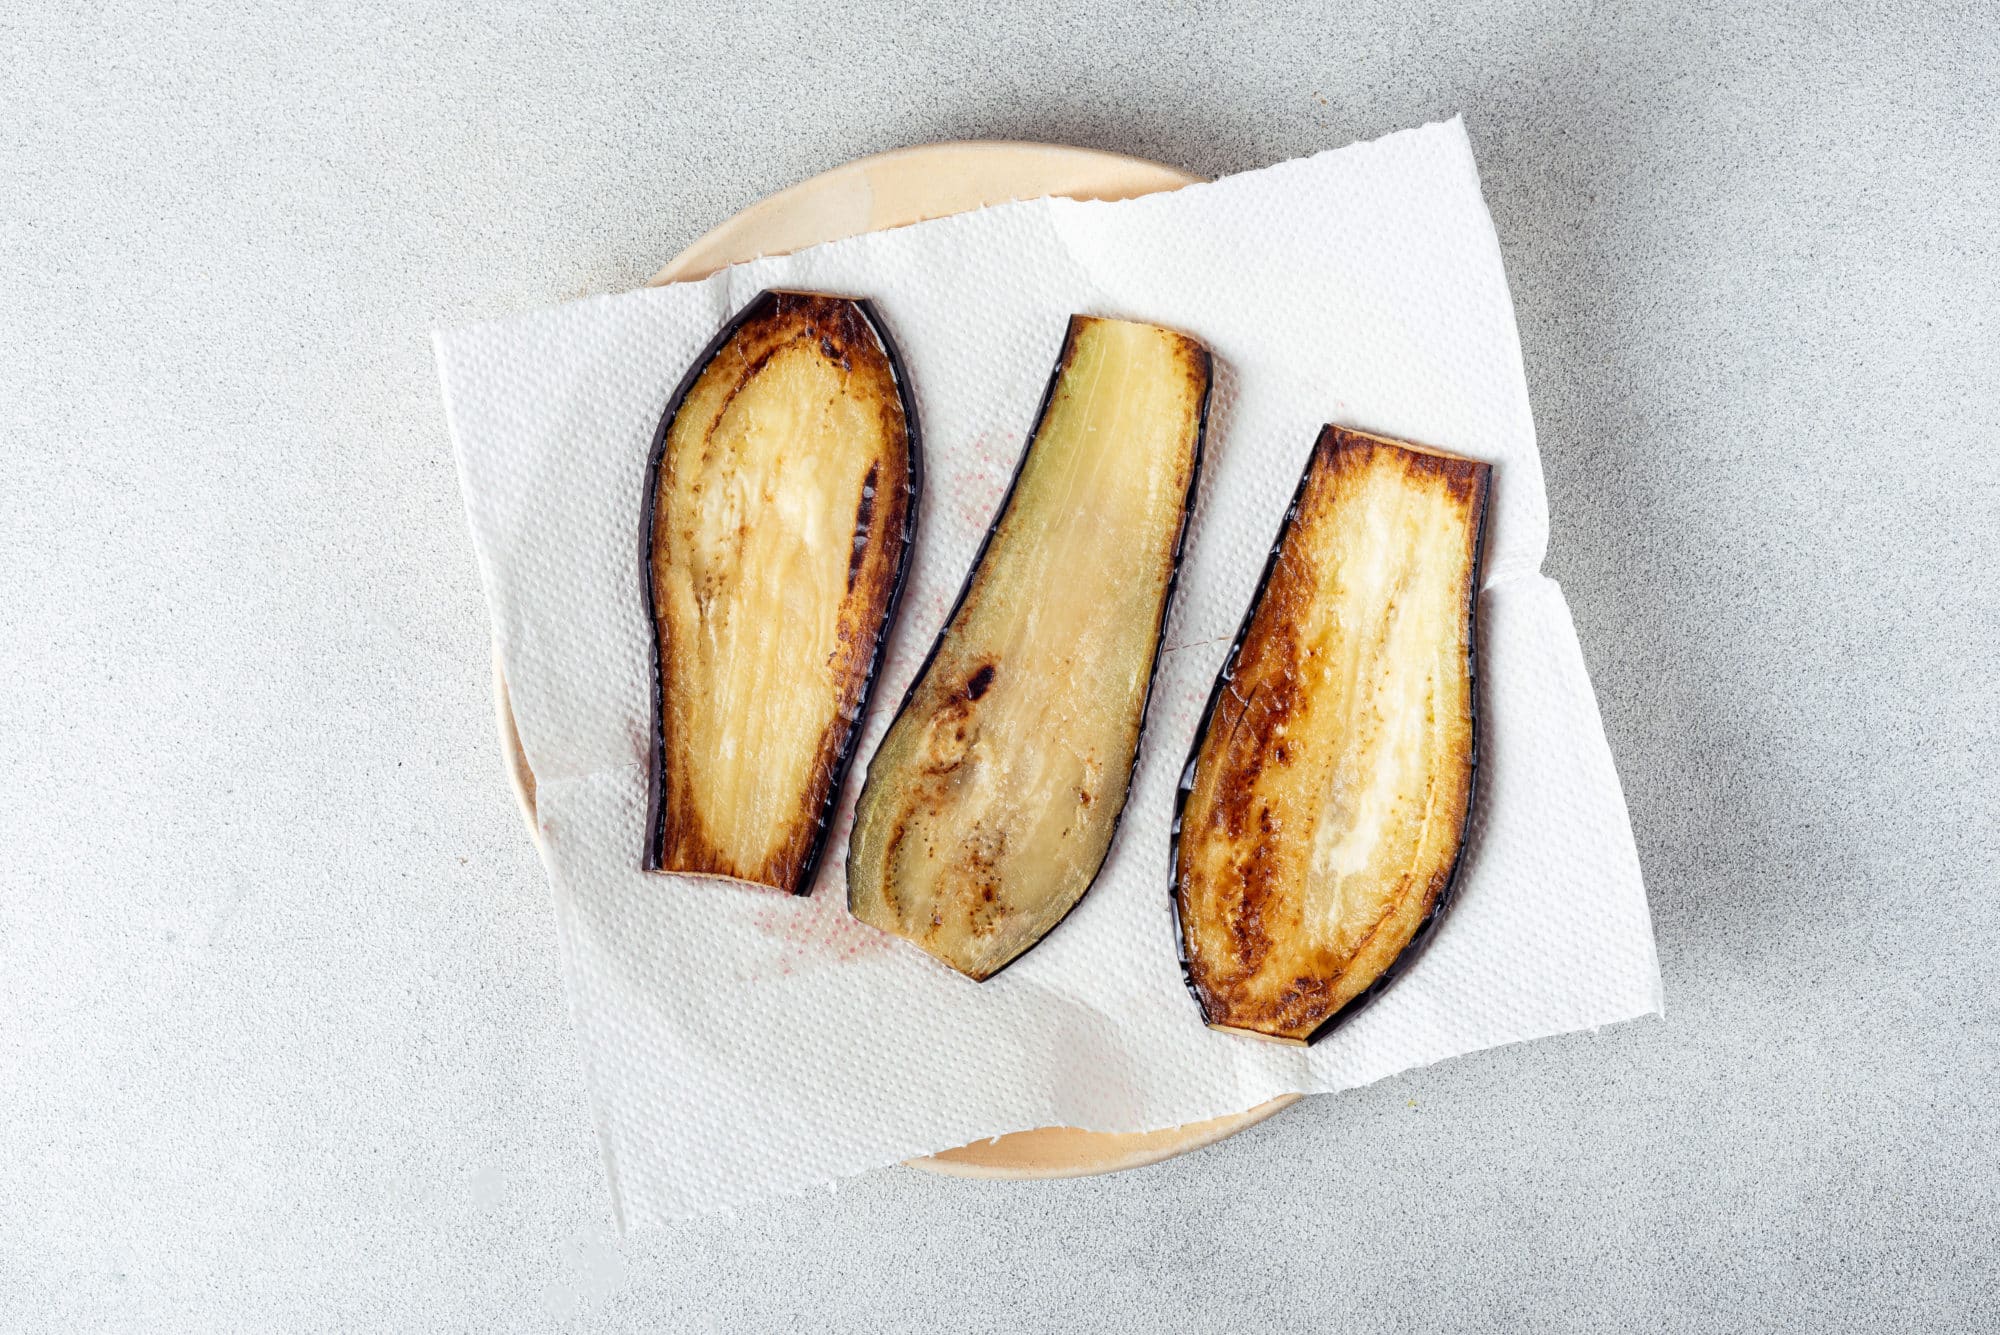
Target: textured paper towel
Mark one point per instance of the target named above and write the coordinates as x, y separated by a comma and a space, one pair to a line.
737, 1042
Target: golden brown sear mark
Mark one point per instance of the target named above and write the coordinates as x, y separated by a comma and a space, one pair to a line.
767, 635
1331, 782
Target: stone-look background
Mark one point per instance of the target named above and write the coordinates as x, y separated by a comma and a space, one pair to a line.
282, 1039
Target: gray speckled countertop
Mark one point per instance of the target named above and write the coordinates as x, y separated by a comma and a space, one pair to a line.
282, 1040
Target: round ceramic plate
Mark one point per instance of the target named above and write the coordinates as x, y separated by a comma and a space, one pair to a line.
869, 195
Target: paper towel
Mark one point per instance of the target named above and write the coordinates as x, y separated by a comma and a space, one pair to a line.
737, 1042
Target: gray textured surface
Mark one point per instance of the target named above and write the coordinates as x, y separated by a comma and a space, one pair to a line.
282, 1044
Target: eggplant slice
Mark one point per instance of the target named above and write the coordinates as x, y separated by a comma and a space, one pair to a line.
1326, 800
782, 504
991, 804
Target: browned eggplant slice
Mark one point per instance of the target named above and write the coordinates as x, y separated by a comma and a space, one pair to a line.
991, 804
782, 504
1321, 816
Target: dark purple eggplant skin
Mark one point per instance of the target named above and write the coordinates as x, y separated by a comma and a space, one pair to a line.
1419, 940
656, 760
1166, 604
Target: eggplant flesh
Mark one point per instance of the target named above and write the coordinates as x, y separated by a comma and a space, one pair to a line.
1326, 800
991, 804
782, 500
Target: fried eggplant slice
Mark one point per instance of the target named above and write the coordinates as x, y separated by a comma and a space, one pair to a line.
991, 804
782, 505
1326, 800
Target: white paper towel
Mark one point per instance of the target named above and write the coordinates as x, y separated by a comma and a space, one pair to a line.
739, 1043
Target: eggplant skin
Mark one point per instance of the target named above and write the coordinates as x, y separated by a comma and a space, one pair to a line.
782, 497
1321, 816
991, 805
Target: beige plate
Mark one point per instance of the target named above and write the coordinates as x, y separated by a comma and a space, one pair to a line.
869, 195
